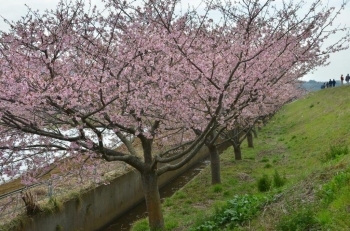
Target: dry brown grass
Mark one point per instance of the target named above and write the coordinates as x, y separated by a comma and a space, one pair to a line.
10, 186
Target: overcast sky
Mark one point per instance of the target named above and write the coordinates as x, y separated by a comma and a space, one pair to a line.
339, 62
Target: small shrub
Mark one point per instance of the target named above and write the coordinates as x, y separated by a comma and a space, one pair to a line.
265, 160
311, 106
264, 183
278, 181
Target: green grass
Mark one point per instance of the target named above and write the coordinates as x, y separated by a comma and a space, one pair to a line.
303, 150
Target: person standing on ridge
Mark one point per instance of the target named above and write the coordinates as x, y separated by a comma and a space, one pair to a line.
333, 82
330, 83
341, 79
347, 78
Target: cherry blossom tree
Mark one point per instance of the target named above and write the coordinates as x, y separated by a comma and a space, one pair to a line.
242, 130
76, 81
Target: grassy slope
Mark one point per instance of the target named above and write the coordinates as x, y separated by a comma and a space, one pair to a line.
294, 143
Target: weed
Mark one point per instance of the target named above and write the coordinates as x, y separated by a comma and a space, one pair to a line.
302, 220
168, 202
335, 151
171, 224
237, 211
232, 181
264, 183
329, 191
324, 217
278, 181
311, 106
140, 225
53, 206
217, 188
268, 165
57, 205
180, 195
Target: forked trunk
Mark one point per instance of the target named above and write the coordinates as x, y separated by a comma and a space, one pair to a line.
237, 151
250, 139
151, 192
214, 165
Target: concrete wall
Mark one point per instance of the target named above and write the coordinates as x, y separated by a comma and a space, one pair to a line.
96, 208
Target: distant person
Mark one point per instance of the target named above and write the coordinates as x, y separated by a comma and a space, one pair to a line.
327, 85
330, 83
333, 82
341, 79
347, 78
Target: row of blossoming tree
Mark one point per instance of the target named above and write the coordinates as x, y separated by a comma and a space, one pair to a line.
78, 78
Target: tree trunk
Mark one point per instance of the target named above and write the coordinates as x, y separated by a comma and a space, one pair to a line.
151, 192
254, 132
237, 151
214, 165
250, 139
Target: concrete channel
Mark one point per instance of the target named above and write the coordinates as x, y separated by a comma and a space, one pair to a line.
124, 222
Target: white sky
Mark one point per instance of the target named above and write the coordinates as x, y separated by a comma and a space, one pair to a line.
339, 62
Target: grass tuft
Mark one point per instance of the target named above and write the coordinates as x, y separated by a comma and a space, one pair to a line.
264, 183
